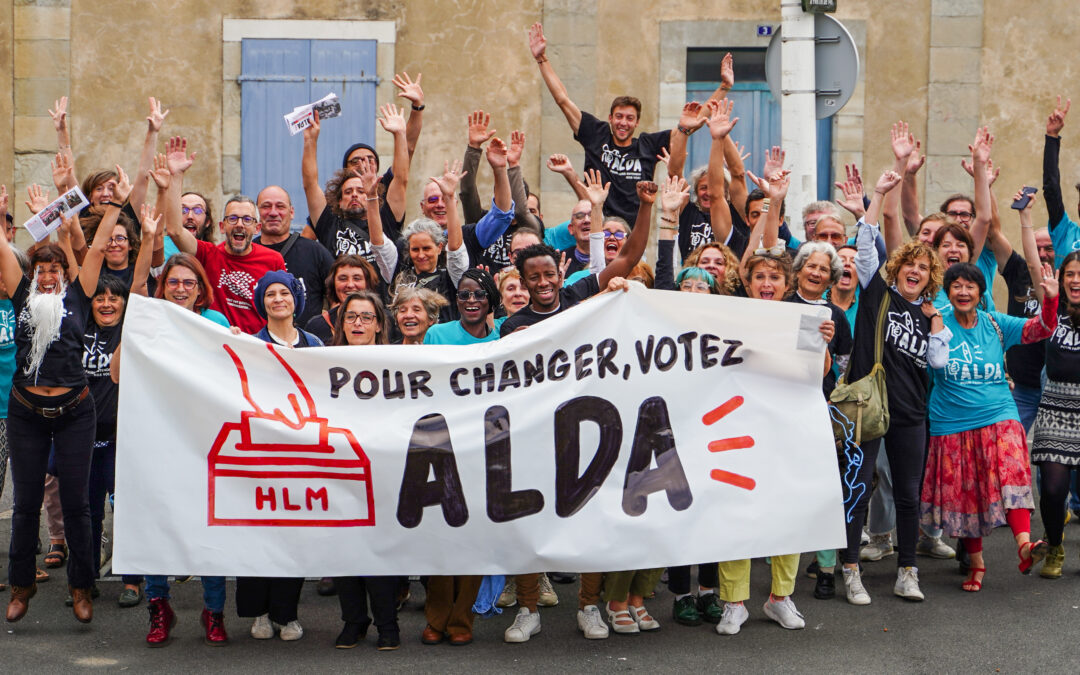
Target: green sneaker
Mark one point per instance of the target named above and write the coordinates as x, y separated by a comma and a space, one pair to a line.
1051, 567
710, 607
685, 611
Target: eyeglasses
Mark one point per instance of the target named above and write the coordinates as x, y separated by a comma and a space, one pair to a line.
360, 159
434, 200
960, 215
700, 286
173, 283
465, 295
580, 215
232, 220
620, 235
117, 239
362, 317
197, 210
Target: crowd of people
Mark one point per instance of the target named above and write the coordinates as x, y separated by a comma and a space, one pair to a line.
909, 297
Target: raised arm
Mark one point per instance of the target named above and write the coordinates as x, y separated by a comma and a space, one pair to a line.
386, 252
178, 162
150, 222
415, 94
393, 121
58, 113
517, 184
495, 222
909, 190
690, 121
10, 271
596, 191
852, 193
1055, 206
980, 157
720, 125
561, 165
634, 246
479, 134
674, 196
146, 158
309, 171
904, 146
735, 160
63, 173
1030, 248
727, 78
95, 256
538, 46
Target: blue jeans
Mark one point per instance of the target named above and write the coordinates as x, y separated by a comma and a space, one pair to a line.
213, 588
1027, 404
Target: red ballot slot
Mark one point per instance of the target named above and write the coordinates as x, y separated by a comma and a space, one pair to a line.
271, 469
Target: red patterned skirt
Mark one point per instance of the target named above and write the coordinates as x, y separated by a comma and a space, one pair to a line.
973, 477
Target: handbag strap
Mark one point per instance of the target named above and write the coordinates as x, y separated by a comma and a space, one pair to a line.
879, 329
997, 329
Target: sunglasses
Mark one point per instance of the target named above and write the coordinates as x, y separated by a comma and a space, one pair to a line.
472, 295
620, 235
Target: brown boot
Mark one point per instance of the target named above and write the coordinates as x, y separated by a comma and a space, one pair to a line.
20, 601
81, 604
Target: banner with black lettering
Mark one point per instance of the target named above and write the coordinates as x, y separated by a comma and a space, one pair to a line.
639, 429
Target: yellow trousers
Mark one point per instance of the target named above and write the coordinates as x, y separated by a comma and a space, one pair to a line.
735, 577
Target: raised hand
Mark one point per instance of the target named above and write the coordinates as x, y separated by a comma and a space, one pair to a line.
691, 118
409, 89
727, 71
564, 265
720, 121
496, 154
478, 128
560, 164
991, 172
3, 202
63, 172
67, 224
762, 184
744, 154
157, 116
1056, 121
903, 142
596, 188
177, 157
1049, 280
888, 181
980, 148
915, 160
448, 182
664, 157
123, 186
774, 161
150, 221
852, 172
537, 41
393, 119
852, 197
646, 191
38, 198
778, 186
58, 113
517, 146
675, 194
369, 178
311, 132
160, 174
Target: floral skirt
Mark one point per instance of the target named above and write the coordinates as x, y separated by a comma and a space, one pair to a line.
972, 478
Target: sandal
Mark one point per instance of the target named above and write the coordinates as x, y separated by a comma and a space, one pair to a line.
643, 620
971, 584
56, 556
41, 576
621, 621
1036, 551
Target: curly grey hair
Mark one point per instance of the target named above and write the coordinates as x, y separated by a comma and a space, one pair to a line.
425, 226
836, 265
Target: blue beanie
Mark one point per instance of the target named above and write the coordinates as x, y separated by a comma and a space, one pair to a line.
284, 278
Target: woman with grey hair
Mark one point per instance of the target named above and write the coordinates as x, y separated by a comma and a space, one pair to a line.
415, 310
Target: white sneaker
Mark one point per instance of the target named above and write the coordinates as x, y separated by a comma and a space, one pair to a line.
262, 629
907, 584
880, 546
784, 613
547, 593
734, 616
591, 623
934, 548
290, 631
508, 597
864, 537
856, 592
526, 624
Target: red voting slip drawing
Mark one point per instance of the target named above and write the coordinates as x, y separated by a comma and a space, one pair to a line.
268, 469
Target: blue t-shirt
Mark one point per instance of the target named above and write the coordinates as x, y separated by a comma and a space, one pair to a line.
559, 237
971, 391
451, 333
170, 247
7, 353
576, 276
1066, 238
215, 316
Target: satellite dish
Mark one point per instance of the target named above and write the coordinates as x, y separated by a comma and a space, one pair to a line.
836, 65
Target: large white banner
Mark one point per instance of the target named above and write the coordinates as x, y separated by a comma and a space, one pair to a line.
637, 430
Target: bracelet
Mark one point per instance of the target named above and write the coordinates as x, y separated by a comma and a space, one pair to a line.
1026, 227
372, 199
542, 59
936, 315
418, 108
669, 228
684, 130
119, 206
668, 220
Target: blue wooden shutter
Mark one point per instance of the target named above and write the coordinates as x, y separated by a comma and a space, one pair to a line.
279, 75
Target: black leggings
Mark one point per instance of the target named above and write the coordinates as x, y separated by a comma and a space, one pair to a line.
679, 577
1054, 481
30, 436
906, 450
353, 594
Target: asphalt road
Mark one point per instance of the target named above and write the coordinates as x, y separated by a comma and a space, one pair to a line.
1016, 624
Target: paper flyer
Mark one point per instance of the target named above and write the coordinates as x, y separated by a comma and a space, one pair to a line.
301, 116
49, 219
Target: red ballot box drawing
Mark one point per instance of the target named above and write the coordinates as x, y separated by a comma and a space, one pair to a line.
270, 469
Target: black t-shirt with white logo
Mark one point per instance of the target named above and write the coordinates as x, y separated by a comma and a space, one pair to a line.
568, 297
623, 167
62, 365
344, 236
99, 345
1024, 363
1063, 351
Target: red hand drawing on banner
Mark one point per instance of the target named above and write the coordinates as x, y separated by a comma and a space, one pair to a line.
287, 468
725, 444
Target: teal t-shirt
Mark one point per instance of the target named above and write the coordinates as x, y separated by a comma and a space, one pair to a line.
576, 276
1066, 238
987, 264
559, 237
451, 333
170, 247
971, 391
215, 316
7, 353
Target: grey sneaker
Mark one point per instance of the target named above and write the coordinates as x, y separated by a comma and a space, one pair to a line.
934, 547
907, 584
880, 546
508, 597
735, 615
547, 593
784, 613
291, 631
261, 628
856, 592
